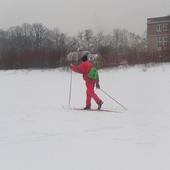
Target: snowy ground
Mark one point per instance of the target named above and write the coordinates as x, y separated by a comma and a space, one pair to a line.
36, 133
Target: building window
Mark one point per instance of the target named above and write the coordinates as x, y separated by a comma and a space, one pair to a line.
159, 27
162, 42
159, 42
162, 27
166, 42
165, 27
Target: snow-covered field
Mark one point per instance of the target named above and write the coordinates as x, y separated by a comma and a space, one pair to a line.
37, 133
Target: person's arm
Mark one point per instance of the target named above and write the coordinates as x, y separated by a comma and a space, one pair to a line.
76, 69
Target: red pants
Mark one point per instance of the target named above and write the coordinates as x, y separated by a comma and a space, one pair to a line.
90, 92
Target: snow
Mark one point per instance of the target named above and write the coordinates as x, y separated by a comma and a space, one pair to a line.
37, 133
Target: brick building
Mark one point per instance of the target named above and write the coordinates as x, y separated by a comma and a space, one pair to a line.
158, 33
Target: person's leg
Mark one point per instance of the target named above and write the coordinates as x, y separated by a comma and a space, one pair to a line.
88, 96
90, 92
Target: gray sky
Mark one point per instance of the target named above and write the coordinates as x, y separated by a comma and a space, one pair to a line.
72, 16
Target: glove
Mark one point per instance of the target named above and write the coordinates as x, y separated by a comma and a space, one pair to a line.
97, 86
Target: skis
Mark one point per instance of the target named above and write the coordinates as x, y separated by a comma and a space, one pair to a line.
91, 110
95, 110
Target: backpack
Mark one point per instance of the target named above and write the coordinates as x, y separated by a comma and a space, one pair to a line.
93, 73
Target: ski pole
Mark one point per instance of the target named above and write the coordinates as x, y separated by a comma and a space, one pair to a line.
113, 99
70, 88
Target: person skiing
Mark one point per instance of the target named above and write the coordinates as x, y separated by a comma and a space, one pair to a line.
84, 69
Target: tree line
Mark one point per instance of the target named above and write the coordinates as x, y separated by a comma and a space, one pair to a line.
36, 46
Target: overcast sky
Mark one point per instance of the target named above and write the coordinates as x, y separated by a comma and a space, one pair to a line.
72, 16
